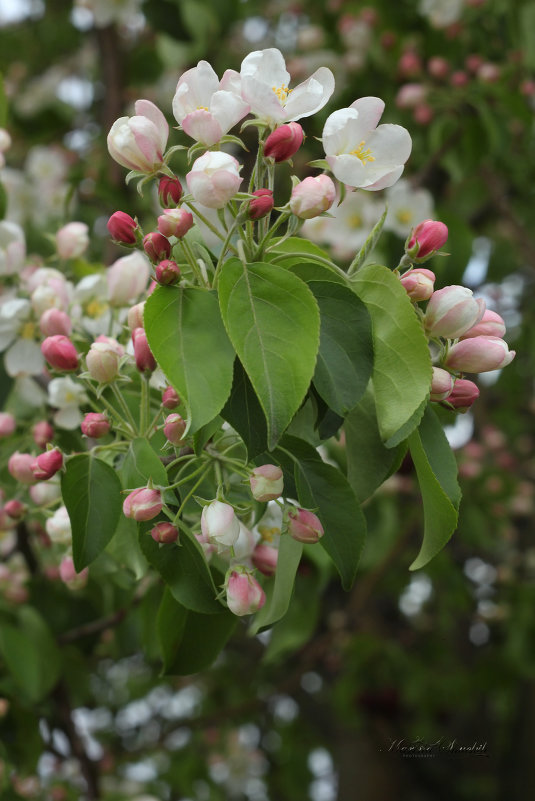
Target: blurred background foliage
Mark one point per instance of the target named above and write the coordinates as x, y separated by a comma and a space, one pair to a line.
417, 686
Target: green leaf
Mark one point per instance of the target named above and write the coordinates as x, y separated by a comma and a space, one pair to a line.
205, 434
3, 201
279, 590
141, 464
189, 342
323, 487
300, 621
190, 641
402, 364
185, 570
369, 461
244, 413
91, 492
3, 103
124, 548
436, 469
273, 322
345, 356
31, 654
368, 246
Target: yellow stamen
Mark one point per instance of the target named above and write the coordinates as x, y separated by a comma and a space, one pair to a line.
360, 153
355, 221
70, 397
96, 308
404, 216
268, 534
28, 331
202, 108
282, 92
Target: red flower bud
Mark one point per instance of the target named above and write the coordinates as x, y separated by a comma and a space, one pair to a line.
262, 205
174, 428
167, 272
264, 558
175, 222
164, 532
169, 191
170, 398
122, 228
304, 526
15, 509
95, 425
284, 142
463, 395
47, 464
60, 353
145, 361
55, 321
20, 467
8, 424
143, 504
156, 246
42, 433
430, 236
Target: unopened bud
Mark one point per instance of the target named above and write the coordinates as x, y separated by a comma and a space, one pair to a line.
60, 353
47, 464
55, 321
72, 240
219, 524
15, 509
463, 395
167, 272
452, 311
441, 384
244, 594
102, 362
312, 196
164, 532
175, 222
95, 425
174, 428
8, 424
145, 361
42, 433
170, 398
428, 236
264, 558
135, 316
143, 504
490, 325
156, 246
122, 228
266, 483
304, 526
284, 142
262, 205
419, 283
479, 355
20, 467
169, 191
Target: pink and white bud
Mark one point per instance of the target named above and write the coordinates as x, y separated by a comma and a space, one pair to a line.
452, 311
214, 179
463, 395
441, 384
219, 524
411, 95
138, 143
264, 558
111, 343
438, 67
167, 272
410, 63
20, 467
479, 355
490, 325
174, 428
122, 228
8, 424
45, 492
42, 433
175, 222
127, 278
58, 527
423, 114
72, 240
419, 284
54, 321
70, 577
312, 196
261, 206
47, 464
164, 532
145, 361
95, 425
266, 483
135, 316
169, 191
284, 142
430, 236
60, 353
143, 504
170, 398
244, 594
156, 246
15, 509
304, 526
102, 362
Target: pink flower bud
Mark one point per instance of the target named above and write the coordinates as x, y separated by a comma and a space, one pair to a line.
102, 362
20, 467
411, 95
164, 532
219, 524
55, 321
145, 361
111, 343
175, 222
127, 278
430, 236
479, 355
304, 526
419, 283
410, 63
135, 316
264, 557
68, 574
138, 142
167, 272
423, 114
459, 78
15, 509
170, 398
488, 73
95, 425
47, 464
438, 67
266, 483
174, 428
452, 311
8, 424
244, 594
441, 384
312, 196
490, 325
261, 205
156, 246
143, 504
42, 433
60, 353
169, 191
72, 240
463, 395
122, 228
214, 179
284, 142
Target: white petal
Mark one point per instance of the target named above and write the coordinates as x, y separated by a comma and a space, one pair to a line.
145, 108
390, 145
370, 111
266, 65
348, 169
342, 132
202, 126
231, 82
311, 95
24, 357
70, 417
194, 90
262, 99
385, 181
228, 109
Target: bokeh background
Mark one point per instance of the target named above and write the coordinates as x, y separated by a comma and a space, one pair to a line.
413, 685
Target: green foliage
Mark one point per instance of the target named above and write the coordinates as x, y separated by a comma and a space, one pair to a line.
30, 654
280, 588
